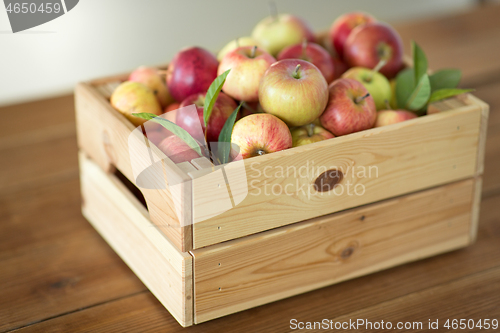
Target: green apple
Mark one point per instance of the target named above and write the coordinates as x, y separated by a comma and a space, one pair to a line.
310, 133
276, 32
377, 84
238, 42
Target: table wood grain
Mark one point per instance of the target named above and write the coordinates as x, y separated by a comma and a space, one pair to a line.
58, 275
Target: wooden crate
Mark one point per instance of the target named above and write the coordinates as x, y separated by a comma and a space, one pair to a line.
204, 260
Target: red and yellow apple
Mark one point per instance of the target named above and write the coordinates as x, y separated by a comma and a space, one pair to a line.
371, 43
238, 42
350, 108
191, 72
388, 117
276, 32
154, 81
342, 27
309, 133
313, 53
223, 107
259, 134
177, 150
377, 84
294, 90
247, 64
134, 97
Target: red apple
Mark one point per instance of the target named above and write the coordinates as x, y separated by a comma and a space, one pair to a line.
293, 90
247, 64
151, 79
388, 117
313, 53
191, 72
340, 67
342, 27
177, 150
172, 107
309, 133
276, 32
134, 97
259, 134
155, 137
350, 108
223, 107
370, 43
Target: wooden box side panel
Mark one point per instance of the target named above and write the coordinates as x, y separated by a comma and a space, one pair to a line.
103, 133
380, 163
123, 222
279, 263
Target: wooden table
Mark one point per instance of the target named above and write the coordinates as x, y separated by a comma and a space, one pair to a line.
58, 274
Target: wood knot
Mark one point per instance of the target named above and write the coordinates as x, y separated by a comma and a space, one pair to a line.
328, 180
347, 252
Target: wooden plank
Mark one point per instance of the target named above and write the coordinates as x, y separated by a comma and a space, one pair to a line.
21, 121
105, 135
123, 222
51, 260
389, 158
202, 163
46, 161
258, 269
483, 289
144, 312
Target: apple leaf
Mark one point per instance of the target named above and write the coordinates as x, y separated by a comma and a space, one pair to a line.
420, 94
445, 79
172, 127
225, 136
447, 93
212, 94
419, 61
405, 84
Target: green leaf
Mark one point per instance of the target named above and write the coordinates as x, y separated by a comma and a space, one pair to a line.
172, 127
447, 93
404, 86
445, 79
212, 94
420, 94
419, 61
225, 136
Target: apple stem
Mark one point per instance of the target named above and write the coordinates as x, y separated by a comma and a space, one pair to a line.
254, 49
296, 72
310, 130
377, 68
387, 105
273, 10
260, 152
237, 41
304, 47
361, 98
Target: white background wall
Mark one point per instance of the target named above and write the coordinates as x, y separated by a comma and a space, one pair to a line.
102, 37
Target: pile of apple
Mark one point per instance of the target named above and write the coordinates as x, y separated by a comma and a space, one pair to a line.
293, 89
